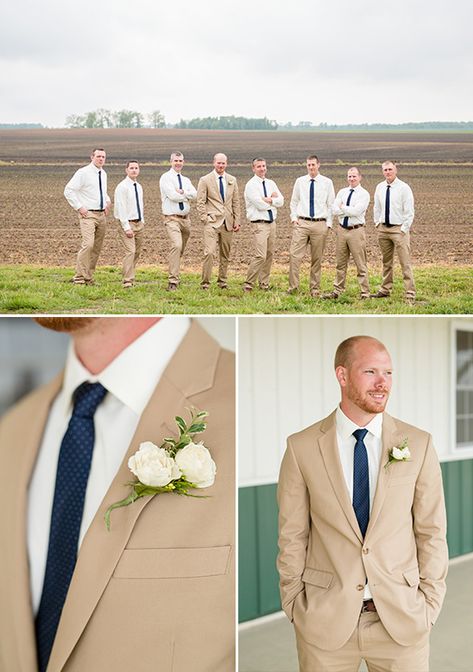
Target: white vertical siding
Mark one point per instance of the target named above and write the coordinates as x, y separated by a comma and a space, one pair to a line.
287, 382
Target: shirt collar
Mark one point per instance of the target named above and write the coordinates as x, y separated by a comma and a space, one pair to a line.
94, 167
134, 374
316, 178
396, 179
128, 179
346, 427
174, 172
217, 175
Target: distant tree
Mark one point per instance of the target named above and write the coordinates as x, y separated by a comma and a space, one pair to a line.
75, 121
104, 118
128, 119
156, 119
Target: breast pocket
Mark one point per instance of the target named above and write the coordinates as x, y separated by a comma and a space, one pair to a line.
172, 563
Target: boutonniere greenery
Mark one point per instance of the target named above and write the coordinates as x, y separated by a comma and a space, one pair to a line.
400, 453
178, 465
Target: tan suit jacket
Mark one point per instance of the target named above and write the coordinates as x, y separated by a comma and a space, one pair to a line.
210, 207
323, 560
157, 591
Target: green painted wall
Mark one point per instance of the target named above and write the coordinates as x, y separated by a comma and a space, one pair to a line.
258, 583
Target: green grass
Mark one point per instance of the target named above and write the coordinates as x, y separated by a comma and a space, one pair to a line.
31, 289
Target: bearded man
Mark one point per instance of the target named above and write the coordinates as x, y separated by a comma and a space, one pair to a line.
363, 553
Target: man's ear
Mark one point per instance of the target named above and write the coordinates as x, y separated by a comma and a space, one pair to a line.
341, 375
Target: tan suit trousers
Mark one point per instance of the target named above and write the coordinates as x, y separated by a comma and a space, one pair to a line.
132, 249
370, 642
392, 239
213, 237
92, 230
306, 233
178, 230
264, 238
351, 241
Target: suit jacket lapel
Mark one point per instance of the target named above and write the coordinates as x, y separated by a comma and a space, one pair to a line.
190, 372
329, 449
16, 577
389, 438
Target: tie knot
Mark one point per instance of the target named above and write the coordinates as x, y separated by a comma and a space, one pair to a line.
388, 186
312, 179
351, 191
360, 434
86, 399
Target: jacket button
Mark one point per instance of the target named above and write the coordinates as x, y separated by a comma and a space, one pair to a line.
366, 551
359, 586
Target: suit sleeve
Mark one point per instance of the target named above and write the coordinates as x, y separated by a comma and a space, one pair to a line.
294, 525
430, 532
202, 200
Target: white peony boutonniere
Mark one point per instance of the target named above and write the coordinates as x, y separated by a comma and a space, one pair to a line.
178, 465
400, 453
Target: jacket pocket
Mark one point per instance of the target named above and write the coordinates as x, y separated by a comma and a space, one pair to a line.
412, 576
317, 577
172, 563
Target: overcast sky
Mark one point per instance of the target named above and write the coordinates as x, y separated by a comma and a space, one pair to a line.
335, 61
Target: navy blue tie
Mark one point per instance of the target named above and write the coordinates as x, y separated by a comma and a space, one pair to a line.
100, 188
181, 204
311, 200
345, 219
222, 192
270, 213
137, 201
361, 481
72, 474
387, 206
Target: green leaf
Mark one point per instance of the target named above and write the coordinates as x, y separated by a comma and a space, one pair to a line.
197, 428
180, 422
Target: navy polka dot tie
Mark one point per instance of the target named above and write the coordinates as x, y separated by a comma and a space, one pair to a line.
361, 481
72, 474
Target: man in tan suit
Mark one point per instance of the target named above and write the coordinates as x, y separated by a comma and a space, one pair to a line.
157, 590
363, 554
218, 205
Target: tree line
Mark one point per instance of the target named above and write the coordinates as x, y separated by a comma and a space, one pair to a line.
103, 118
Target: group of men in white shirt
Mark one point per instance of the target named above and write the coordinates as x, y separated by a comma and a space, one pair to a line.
313, 207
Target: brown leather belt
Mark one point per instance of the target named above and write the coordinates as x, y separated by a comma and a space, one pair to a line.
368, 605
349, 228
314, 219
134, 221
260, 221
91, 210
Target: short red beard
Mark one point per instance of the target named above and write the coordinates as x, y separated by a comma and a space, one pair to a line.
65, 324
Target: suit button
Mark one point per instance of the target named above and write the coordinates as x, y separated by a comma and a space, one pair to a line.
366, 551
360, 587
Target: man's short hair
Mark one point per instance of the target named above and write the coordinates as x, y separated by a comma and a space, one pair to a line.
346, 349
258, 158
387, 163
97, 149
176, 155
313, 157
131, 161
355, 168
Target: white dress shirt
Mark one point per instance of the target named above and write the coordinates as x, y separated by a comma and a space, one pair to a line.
359, 202
256, 208
170, 197
324, 195
346, 449
130, 380
224, 182
125, 207
401, 204
83, 191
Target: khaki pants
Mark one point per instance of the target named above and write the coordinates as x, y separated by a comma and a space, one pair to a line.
92, 229
390, 240
264, 237
371, 642
306, 233
178, 230
351, 241
213, 237
132, 249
